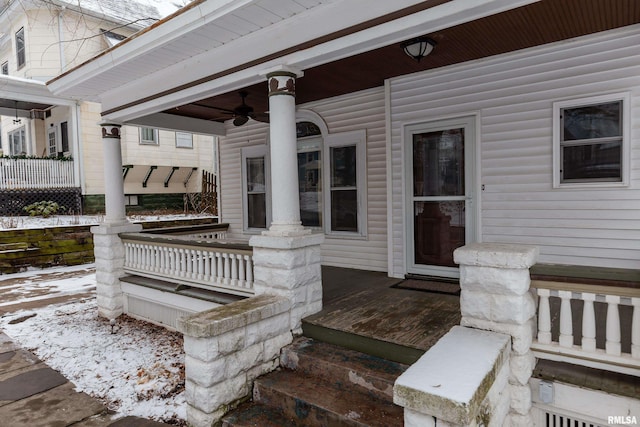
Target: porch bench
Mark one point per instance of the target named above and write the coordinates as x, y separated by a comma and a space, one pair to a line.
181, 289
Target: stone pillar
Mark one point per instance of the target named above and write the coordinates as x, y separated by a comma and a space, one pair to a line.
290, 267
108, 248
495, 296
285, 202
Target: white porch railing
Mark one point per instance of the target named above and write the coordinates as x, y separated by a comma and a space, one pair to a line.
557, 325
19, 174
213, 265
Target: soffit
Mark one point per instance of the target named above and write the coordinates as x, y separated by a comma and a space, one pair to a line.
539, 23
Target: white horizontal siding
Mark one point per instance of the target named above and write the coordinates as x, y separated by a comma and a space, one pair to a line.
513, 95
358, 111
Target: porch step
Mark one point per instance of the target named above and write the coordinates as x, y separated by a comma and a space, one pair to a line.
323, 385
360, 343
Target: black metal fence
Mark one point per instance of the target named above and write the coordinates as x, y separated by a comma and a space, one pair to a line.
12, 202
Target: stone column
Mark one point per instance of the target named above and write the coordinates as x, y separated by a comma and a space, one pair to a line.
495, 296
108, 248
286, 258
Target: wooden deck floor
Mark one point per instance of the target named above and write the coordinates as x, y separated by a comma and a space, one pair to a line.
364, 304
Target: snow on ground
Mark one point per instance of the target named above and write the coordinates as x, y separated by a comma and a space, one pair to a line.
136, 370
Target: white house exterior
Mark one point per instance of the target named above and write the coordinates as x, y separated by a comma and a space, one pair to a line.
39, 41
513, 143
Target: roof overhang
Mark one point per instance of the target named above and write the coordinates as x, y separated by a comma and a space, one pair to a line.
174, 62
19, 96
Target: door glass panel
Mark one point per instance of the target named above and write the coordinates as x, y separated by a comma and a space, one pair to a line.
438, 163
256, 193
439, 229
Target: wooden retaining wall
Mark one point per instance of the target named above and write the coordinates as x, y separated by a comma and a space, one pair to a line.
62, 245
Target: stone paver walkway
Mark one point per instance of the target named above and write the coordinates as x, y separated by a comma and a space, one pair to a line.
34, 395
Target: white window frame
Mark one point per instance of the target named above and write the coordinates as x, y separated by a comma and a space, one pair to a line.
625, 149
52, 131
156, 139
10, 134
250, 153
184, 140
357, 138
21, 52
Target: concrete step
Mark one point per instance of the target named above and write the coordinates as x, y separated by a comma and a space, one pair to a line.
257, 415
313, 402
343, 368
322, 384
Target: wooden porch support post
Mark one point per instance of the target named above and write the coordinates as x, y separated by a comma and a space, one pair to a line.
287, 256
108, 247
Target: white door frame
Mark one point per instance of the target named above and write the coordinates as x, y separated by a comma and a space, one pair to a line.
469, 122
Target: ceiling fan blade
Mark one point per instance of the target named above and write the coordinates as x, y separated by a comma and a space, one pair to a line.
240, 120
260, 117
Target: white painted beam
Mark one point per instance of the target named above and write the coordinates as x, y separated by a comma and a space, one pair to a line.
178, 123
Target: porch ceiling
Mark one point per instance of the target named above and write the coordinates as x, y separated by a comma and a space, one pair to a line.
194, 63
536, 24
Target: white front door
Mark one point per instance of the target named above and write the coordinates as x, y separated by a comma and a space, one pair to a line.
439, 193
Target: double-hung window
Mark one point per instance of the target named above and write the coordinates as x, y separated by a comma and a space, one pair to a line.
345, 176
149, 136
21, 56
18, 142
591, 141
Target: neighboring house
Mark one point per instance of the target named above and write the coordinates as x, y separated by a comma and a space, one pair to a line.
38, 41
512, 123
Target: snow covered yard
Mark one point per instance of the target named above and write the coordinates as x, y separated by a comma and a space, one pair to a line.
134, 368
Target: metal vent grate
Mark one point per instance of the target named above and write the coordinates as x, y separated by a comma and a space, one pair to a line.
546, 418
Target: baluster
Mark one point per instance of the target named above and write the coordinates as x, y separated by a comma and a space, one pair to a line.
544, 317
182, 267
136, 256
635, 328
249, 259
174, 263
588, 323
566, 321
200, 257
227, 268
206, 258
234, 269
220, 269
613, 325
145, 257
188, 258
242, 278
194, 262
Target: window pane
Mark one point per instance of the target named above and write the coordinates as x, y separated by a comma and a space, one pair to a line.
439, 229
184, 140
257, 213
438, 163
344, 210
5, 68
592, 121
53, 147
148, 135
20, 54
592, 162
310, 185
343, 166
255, 175
64, 136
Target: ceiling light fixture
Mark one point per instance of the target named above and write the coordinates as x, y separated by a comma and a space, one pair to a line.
419, 47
